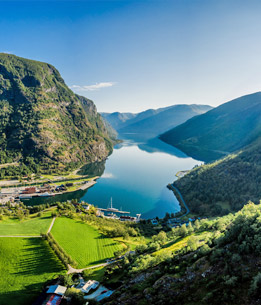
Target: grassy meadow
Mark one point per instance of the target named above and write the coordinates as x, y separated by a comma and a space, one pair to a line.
83, 243
30, 227
25, 265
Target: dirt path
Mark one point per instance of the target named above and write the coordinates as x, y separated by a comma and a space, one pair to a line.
73, 270
51, 225
22, 236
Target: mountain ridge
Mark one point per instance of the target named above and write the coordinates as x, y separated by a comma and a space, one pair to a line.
203, 137
154, 121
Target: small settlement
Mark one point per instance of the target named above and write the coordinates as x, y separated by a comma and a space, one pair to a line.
174, 222
56, 294
12, 194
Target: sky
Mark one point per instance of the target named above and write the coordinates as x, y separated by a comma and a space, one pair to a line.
129, 56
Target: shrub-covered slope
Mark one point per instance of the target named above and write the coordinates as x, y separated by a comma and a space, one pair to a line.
222, 130
42, 120
219, 263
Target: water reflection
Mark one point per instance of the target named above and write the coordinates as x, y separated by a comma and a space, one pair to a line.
135, 176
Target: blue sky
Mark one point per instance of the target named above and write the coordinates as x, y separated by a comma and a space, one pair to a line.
134, 55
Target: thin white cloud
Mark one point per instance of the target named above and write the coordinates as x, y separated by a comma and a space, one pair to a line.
94, 87
108, 175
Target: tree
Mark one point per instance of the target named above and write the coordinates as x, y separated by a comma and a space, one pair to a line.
193, 243
20, 215
183, 231
160, 238
167, 216
76, 296
255, 284
190, 228
197, 224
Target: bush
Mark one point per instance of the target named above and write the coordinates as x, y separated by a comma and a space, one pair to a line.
255, 285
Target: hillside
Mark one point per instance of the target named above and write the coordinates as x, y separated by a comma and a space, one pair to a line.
220, 131
151, 123
43, 124
210, 262
225, 185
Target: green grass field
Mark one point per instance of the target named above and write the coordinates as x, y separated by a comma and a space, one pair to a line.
25, 265
31, 227
83, 243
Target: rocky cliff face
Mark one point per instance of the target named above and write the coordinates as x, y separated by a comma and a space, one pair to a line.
41, 118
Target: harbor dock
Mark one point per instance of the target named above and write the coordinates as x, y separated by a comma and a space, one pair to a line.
114, 211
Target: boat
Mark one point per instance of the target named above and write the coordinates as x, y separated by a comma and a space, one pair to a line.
24, 196
46, 194
111, 208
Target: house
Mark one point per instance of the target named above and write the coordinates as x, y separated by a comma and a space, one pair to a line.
127, 218
29, 190
86, 207
55, 294
172, 221
57, 289
90, 285
154, 222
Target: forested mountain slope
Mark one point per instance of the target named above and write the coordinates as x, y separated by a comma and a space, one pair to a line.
211, 262
43, 124
220, 131
225, 185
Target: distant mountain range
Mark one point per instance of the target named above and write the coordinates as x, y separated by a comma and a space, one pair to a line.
151, 123
43, 124
220, 131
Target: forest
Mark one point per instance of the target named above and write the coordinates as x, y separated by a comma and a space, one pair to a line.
225, 185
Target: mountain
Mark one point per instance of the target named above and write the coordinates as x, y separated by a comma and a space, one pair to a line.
151, 123
116, 119
225, 185
42, 122
220, 131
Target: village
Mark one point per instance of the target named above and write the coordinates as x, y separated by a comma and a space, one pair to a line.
45, 189
55, 294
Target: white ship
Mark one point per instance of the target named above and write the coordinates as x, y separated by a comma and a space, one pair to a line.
46, 194
24, 196
111, 208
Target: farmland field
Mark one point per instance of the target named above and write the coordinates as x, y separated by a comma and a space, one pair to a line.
25, 265
82, 242
31, 227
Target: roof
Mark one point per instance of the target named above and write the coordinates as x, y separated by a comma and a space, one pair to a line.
57, 289
90, 285
53, 300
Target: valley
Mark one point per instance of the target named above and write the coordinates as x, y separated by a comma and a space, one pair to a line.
185, 223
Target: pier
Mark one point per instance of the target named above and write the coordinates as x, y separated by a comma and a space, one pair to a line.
113, 211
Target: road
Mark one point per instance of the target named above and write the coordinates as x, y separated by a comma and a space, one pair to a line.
73, 270
182, 199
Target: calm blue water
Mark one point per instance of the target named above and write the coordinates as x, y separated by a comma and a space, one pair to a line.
135, 176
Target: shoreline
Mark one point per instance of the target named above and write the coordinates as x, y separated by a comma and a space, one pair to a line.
180, 199
16, 192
